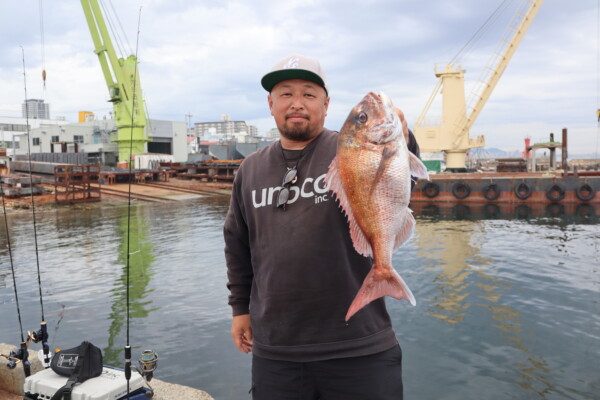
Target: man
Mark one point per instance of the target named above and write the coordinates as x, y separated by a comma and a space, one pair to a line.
291, 265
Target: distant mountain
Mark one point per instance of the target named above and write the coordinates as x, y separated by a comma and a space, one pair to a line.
588, 155
494, 152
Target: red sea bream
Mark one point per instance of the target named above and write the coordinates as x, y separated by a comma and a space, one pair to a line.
371, 178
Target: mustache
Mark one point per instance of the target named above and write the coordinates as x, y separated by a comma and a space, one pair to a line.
295, 115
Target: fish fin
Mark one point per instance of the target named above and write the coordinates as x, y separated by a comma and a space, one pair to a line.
359, 240
417, 168
407, 230
334, 180
375, 287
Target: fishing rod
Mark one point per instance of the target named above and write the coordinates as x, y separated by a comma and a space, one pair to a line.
41, 335
22, 354
149, 358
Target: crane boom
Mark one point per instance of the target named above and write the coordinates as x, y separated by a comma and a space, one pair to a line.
122, 78
452, 135
504, 59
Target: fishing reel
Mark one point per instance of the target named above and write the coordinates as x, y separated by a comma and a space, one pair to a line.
36, 336
41, 335
21, 355
148, 362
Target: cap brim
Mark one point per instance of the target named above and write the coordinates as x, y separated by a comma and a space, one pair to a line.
273, 78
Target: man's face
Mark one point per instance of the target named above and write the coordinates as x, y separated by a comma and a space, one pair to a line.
299, 108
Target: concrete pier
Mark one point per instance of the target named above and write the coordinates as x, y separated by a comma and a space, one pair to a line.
12, 381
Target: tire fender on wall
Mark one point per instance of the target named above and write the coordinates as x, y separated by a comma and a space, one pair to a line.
522, 191
461, 190
491, 191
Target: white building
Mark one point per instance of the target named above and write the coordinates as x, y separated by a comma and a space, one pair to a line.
224, 129
168, 137
95, 138
11, 128
272, 134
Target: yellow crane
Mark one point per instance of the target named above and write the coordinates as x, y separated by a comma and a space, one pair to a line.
452, 135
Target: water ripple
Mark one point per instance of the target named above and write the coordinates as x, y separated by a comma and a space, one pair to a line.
506, 307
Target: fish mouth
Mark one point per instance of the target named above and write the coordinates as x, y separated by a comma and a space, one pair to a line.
389, 126
387, 101
382, 99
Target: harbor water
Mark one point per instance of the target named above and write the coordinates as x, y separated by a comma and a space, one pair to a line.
508, 304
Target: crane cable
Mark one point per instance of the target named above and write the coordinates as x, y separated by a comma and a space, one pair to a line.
480, 32
126, 41
43, 45
122, 45
115, 35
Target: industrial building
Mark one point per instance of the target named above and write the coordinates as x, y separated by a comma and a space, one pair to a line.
93, 140
12, 128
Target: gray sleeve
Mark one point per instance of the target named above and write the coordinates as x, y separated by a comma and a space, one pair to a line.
237, 254
413, 147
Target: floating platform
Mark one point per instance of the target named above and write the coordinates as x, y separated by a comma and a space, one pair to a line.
511, 187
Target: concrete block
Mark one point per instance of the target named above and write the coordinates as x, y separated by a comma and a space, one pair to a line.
12, 380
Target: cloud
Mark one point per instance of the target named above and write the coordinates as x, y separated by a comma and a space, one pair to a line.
206, 58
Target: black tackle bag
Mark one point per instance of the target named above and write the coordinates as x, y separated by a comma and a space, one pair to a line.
79, 364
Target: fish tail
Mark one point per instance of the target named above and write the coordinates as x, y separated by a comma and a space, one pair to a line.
378, 284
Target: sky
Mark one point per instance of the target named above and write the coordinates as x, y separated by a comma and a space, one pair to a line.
205, 58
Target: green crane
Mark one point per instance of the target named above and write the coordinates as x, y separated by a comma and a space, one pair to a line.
124, 88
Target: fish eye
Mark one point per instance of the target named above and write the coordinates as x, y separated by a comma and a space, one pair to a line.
362, 118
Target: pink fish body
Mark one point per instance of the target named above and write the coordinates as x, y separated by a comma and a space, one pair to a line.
371, 178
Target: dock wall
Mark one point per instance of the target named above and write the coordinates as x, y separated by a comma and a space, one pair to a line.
508, 188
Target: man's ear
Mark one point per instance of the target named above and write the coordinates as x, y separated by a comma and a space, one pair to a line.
270, 101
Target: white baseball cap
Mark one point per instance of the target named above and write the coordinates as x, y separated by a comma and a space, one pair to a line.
295, 66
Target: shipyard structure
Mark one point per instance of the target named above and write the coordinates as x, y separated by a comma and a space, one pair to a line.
88, 141
229, 140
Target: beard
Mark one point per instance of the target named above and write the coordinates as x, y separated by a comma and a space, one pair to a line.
297, 132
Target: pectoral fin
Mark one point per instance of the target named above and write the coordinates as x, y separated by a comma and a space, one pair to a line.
417, 168
407, 229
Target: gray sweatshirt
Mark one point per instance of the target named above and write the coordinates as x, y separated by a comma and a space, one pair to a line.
295, 271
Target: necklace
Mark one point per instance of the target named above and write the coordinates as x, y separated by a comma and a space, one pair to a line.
292, 176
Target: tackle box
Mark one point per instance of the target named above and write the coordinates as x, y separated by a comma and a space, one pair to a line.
110, 385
